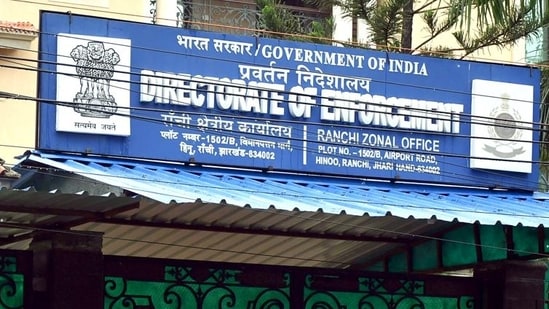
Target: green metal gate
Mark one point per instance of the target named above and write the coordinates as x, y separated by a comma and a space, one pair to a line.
149, 283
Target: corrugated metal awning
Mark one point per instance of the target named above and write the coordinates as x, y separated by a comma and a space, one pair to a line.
182, 184
208, 214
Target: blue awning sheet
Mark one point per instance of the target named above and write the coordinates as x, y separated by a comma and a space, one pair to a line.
181, 184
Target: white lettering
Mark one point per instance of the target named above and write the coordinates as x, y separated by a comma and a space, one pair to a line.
301, 101
312, 56
273, 99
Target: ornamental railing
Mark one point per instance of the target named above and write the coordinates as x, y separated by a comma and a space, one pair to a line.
15, 279
155, 283
235, 17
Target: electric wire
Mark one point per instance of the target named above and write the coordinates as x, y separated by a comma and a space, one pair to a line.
330, 198
348, 43
154, 18
289, 214
479, 119
448, 155
482, 120
529, 126
380, 230
162, 51
509, 179
32, 1
256, 87
177, 245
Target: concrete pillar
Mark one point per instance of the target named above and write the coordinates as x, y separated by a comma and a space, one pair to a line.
68, 270
166, 12
512, 284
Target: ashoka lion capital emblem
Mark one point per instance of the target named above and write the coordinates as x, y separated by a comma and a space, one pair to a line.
95, 69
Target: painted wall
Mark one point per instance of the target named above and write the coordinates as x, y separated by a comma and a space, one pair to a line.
18, 124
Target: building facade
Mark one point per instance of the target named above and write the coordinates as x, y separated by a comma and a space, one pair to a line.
20, 28
156, 168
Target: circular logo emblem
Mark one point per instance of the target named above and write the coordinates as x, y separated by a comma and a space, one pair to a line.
505, 131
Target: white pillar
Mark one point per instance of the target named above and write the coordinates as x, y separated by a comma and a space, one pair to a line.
147, 13
343, 31
166, 12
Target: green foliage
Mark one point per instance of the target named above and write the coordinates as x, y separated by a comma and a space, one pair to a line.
438, 21
325, 5
500, 22
519, 23
497, 11
321, 30
279, 21
358, 9
386, 23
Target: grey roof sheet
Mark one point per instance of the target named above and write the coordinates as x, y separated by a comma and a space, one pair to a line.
199, 213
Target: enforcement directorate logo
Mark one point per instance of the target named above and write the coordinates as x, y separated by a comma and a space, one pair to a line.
505, 131
95, 69
502, 115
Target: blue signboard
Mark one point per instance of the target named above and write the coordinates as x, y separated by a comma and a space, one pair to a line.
127, 89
